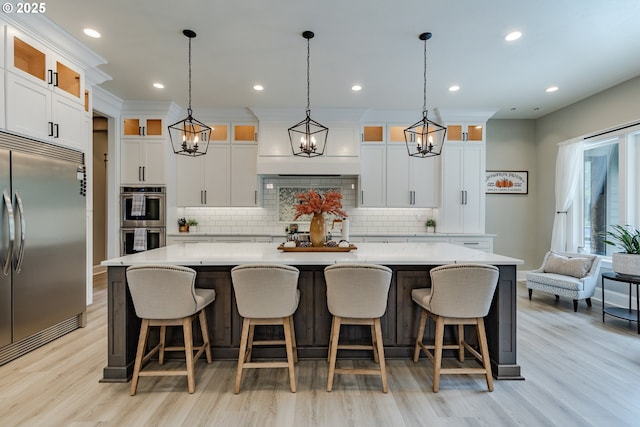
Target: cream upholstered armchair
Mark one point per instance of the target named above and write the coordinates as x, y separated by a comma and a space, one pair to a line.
566, 274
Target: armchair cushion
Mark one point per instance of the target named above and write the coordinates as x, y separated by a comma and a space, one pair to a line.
575, 266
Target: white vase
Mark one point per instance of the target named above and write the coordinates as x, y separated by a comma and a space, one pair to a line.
624, 263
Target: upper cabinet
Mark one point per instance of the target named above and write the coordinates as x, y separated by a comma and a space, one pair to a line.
472, 132
142, 127
226, 175
389, 176
45, 94
244, 133
33, 61
143, 161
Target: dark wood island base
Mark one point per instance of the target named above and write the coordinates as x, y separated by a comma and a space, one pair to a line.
312, 319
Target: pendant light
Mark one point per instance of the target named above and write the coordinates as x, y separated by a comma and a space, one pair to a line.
425, 138
189, 136
308, 138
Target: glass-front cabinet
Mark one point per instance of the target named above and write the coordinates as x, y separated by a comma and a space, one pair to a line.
142, 126
28, 59
44, 92
465, 132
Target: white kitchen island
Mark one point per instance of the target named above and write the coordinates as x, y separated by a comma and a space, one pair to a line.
410, 263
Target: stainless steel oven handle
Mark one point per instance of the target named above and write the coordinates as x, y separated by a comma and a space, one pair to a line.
18, 263
6, 264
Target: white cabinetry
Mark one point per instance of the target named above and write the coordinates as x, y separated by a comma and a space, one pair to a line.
143, 161
226, 175
44, 93
373, 160
204, 180
244, 180
463, 198
480, 243
458, 132
133, 127
411, 181
390, 177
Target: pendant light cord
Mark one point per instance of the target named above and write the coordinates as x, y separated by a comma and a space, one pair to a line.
424, 102
189, 111
308, 78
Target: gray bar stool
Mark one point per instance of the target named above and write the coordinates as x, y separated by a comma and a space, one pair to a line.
357, 295
460, 295
166, 296
266, 294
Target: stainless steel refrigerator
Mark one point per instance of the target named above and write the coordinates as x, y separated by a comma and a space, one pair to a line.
42, 244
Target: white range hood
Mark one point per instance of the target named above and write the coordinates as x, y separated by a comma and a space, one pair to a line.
342, 153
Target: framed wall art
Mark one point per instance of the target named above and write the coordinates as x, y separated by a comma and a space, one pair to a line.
507, 182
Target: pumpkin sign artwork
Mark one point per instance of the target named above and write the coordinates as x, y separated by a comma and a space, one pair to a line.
507, 182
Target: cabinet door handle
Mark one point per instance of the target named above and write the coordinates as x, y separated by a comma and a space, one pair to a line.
144, 131
144, 173
465, 197
55, 79
205, 197
56, 132
50, 77
255, 197
362, 197
50, 128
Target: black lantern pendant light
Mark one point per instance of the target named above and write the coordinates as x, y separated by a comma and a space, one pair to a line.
425, 138
308, 138
190, 137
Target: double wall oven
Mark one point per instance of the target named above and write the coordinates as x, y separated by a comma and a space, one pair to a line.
142, 218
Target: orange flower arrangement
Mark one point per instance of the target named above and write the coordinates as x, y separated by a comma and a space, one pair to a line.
312, 202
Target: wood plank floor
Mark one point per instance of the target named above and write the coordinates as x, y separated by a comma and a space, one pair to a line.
579, 372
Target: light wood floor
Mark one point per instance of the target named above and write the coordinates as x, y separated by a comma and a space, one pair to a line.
578, 372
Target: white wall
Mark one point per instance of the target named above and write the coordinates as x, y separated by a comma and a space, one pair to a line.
607, 109
511, 146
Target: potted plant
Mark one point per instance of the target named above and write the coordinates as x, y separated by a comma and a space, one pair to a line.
183, 226
192, 225
626, 238
431, 224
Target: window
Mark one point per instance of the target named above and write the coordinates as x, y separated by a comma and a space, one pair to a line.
600, 207
610, 189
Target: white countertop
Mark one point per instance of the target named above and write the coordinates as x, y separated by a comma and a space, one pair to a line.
359, 234
224, 254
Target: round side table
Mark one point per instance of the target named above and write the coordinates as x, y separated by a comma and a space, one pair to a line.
619, 312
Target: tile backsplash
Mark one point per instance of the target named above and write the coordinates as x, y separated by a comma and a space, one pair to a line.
272, 217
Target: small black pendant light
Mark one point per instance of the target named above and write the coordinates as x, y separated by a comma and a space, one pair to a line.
189, 136
308, 138
425, 138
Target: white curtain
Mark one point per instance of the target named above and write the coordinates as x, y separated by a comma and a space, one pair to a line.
568, 171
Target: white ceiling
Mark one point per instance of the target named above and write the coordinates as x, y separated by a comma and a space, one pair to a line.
581, 46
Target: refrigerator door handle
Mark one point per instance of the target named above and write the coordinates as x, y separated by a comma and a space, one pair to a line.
6, 264
20, 258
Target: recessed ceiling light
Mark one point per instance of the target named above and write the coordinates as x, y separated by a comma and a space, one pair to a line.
92, 33
512, 36
356, 88
258, 87
158, 85
551, 89
454, 88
